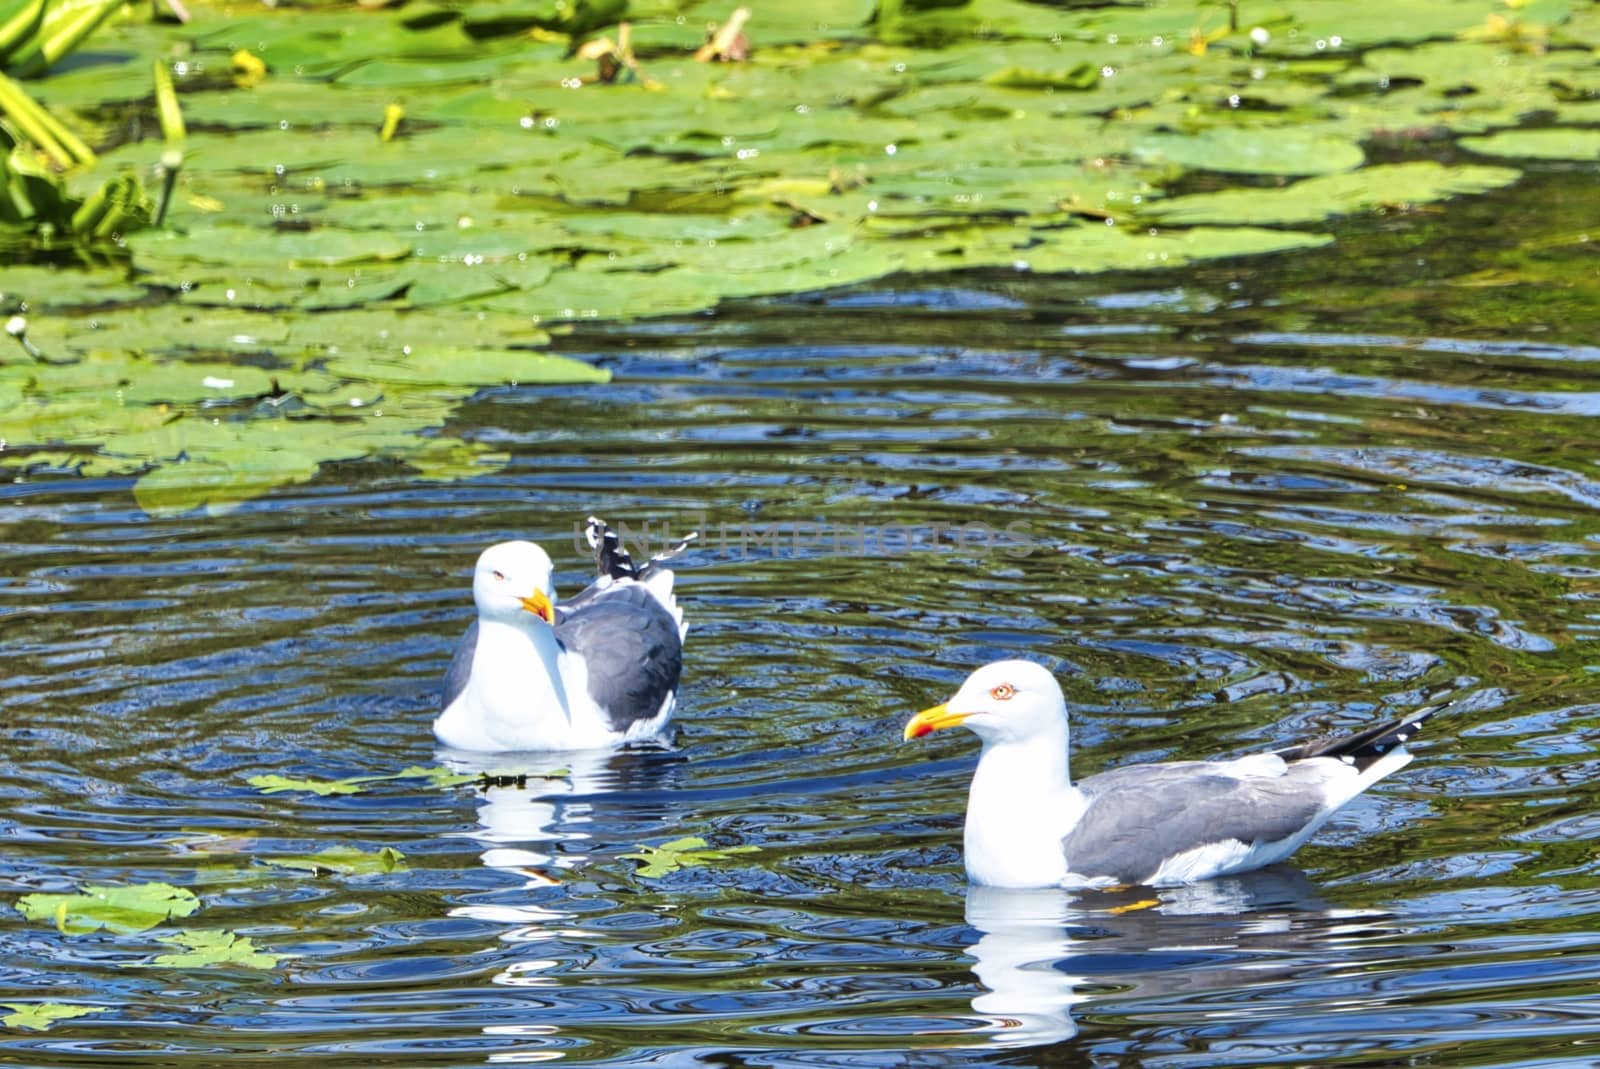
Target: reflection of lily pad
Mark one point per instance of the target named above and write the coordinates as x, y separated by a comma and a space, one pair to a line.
119, 909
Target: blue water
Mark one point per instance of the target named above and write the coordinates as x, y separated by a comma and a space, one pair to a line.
1250, 505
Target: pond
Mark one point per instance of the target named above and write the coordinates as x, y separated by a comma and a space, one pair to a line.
1250, 501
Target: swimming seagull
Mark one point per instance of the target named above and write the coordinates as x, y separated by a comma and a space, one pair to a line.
1029, 825
598, 671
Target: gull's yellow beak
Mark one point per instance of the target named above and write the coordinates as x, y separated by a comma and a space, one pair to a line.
933, 719
538, 604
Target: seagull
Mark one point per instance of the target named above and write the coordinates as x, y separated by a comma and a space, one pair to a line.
1159, 825
599, 671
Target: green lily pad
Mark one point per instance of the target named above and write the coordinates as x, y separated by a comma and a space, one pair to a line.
465, 367
344, 861
1285, 150
204, 948
1551, 144
434, 776
688, 852
136, 908
1315, 199
38, 1016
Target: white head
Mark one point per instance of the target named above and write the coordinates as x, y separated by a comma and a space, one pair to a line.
512, 584
1007, 701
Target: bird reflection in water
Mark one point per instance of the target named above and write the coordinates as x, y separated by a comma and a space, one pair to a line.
1042, 952
533, 807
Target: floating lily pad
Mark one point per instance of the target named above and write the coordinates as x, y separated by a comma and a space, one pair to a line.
1315, 199
134, 908
1285, 150
688, 852
465, 367
434, 776
205, 948
854, 140
344, 861
38, 1016
1552, 144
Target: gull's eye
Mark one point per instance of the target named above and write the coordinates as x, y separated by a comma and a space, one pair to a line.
499, 576
1003, 692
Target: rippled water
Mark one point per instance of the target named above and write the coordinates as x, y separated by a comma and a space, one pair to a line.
1247, 503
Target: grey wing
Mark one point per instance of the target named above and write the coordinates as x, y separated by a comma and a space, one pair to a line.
460, 670
631, 646
1140, 816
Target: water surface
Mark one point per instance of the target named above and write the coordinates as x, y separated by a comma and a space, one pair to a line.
1247, 503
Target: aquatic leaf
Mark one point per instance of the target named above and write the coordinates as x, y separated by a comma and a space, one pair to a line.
135, 908
241, 247
273, 784
688, 852
435, 777
38, 1016
1315, 199
344, 861
1081, 76
465, 367
1549, 144
206, 947
1285, 150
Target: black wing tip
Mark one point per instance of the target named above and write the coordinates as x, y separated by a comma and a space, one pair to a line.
1364, 748
612, 559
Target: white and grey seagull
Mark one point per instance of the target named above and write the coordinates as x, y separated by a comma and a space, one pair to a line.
1164, 824
598, 671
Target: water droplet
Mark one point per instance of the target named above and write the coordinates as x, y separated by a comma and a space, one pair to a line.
1108, 72
1158, 40
1112, 38
526, 122
890, 149
1335, 40
1260, 35
1233, 101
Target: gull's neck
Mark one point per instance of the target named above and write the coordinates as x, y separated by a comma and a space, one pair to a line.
1021, 804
